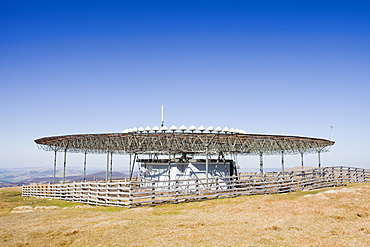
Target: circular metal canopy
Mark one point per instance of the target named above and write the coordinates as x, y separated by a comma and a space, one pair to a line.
179, 143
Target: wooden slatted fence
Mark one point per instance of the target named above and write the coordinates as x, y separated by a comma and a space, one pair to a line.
150, 193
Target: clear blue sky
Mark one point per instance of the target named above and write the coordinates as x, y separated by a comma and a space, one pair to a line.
275, 67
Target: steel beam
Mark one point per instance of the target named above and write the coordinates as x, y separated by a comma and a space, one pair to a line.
133, 166
261, 163
111, 166
302, 164
64, 165
55, 165
85, 166
169, 166
207, 168
107, 169
129, 166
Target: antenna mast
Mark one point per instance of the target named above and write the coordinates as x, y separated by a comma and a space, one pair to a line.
331, 130
162, 123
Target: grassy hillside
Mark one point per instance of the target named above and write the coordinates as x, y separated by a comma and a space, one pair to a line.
330, 217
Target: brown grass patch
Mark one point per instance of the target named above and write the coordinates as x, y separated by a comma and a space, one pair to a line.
329, 217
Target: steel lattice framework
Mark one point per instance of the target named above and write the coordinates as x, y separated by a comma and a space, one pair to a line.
180, 143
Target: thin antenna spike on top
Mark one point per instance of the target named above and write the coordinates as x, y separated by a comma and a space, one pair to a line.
162, 119
331, 131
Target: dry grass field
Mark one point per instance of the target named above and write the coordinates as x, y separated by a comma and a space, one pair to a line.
328, 217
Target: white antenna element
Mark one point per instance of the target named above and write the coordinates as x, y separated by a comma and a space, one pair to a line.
183, 128
164, 128
162, 119
201, 128
173, 128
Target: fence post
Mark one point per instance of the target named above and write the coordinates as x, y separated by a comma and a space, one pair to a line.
314, 178
216, 187
52, 191
196, 189
119, 190
65, 191
324, 180
74, 192
250, 185
130, 195
153, 194
88, 192
278, 180
235, 178
176, 190
364, 175
349, 175
291, 181
303, 180
332, 175
57, 191
97, 192
62, 191
107, 192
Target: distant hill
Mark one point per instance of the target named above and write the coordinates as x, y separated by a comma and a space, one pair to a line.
277, 169
26, 175
78, 178
299, 168
10, 175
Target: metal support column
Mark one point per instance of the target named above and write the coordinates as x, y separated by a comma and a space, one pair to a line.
107, 170
55, 165
169, 167
133, 166
129, 166
302, 161
65, 165
319, 159
111, 166
207, 165
85, 166
282, 161
261, 163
